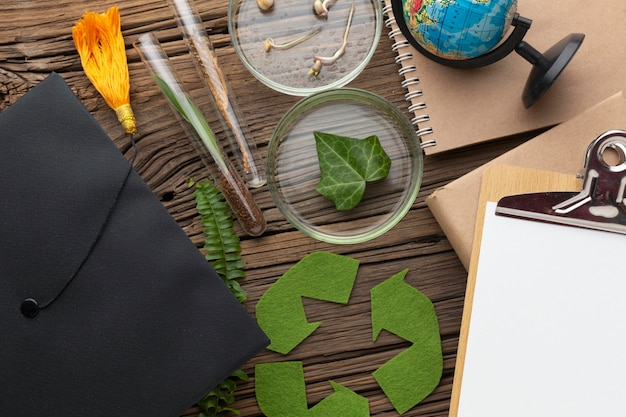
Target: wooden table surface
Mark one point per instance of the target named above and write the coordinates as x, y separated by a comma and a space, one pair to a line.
35, 39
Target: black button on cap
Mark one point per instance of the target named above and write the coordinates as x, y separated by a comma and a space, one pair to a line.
30, 308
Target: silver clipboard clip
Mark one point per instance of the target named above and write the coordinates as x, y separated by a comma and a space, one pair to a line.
600, 205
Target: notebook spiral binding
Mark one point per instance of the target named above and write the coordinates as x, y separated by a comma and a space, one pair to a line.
408, 71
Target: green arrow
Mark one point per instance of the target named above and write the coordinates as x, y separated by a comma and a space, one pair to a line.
281, 392
321, 275
404, 311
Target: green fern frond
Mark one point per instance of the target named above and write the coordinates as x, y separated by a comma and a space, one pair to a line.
223, 251
216, 402
221, 243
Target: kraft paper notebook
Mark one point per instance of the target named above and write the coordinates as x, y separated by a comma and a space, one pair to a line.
560, 149
544, 297
459, 107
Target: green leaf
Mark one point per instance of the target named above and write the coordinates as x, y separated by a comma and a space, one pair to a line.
216, 403
346, 165
241, 375
192, 114
221, 243
223, 251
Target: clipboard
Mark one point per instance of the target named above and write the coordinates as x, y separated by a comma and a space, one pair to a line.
544, 331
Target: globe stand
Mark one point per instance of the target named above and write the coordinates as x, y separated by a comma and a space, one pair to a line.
546, 67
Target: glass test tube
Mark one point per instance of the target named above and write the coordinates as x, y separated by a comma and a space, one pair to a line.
205, 59
222, 171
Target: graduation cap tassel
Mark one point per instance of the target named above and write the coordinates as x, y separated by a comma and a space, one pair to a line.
100, 44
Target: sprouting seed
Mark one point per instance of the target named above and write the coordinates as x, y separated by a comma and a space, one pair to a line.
320, 61
269, 43
265, 5
321, 7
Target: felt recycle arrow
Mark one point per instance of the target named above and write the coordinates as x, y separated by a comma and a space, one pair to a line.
396, 307
281, 392
320, 275
404, 311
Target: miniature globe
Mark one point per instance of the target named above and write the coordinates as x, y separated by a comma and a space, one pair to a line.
459, 29
471, 34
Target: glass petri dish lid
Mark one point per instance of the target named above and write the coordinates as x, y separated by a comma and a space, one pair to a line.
293, 169
287, 70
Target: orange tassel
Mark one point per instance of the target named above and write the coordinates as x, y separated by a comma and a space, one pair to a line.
100, 44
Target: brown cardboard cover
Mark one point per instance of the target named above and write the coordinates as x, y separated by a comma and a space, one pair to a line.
560, 149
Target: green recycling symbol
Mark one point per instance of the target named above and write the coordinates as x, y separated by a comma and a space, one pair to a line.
396, 306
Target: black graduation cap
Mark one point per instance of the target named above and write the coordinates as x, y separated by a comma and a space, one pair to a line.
106, 307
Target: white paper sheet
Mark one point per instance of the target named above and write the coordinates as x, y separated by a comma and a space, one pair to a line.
547, 335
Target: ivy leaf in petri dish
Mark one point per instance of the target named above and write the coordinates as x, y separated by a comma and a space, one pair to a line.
347, 165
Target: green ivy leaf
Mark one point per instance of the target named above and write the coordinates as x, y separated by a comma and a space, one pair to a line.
346, 165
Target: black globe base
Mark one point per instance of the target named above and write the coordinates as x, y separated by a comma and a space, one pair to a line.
547, 66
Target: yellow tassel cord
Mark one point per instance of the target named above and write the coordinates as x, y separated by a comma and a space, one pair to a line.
100, 44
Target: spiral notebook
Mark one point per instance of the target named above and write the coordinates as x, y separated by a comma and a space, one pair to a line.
454, 108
